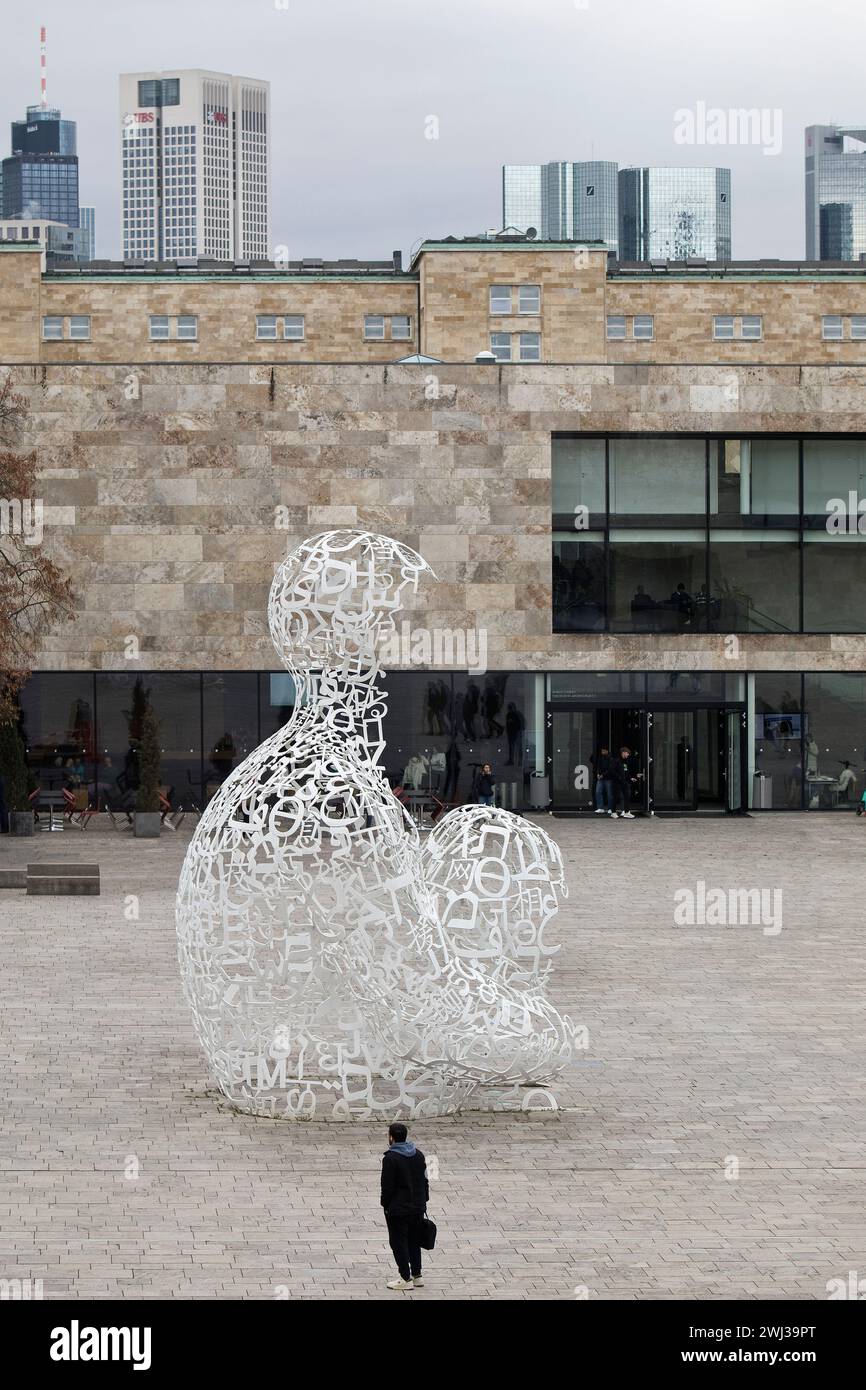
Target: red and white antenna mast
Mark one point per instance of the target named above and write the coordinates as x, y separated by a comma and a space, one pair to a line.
42, 69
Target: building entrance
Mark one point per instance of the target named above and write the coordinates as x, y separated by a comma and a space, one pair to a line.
684, 761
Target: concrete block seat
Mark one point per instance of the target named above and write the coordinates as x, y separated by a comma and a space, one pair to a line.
63, 880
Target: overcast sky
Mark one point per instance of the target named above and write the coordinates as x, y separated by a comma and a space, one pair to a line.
353, 83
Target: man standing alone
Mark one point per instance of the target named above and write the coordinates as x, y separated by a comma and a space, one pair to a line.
405, 1191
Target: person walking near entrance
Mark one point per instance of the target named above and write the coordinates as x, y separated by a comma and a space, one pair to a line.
405, 1192
622, 773
603, 785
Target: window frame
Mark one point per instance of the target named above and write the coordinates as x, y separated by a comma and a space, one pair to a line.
159, 337
401, 337
52, 337
719, 337
496, 349
500, 313
827, 337
616, 337
859, 336
752, 337
643, 337
532, 313
266, 337
294, 337
374, 337
521, 356
186, 337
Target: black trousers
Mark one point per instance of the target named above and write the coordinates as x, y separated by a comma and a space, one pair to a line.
403, 1239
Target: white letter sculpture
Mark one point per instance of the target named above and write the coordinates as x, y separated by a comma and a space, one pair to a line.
336, 966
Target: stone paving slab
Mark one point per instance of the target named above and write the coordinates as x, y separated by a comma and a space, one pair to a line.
124, 1174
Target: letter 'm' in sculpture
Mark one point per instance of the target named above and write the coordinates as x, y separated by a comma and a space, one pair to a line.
334, 964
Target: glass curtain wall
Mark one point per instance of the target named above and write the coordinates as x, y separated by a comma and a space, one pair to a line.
708, 535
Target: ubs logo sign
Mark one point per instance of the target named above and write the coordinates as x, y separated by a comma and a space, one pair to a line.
134, 120
218, 117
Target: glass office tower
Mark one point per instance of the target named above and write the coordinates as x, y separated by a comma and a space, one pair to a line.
88, 227
563, 201
521, 196
835, 193
674, 214
40, 177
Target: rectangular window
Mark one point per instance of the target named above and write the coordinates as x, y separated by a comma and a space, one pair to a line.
374, 326
751, 326
500, 346
500, 299
266, 326
832, 327
158, 327
723, 326
52, 327
79, 327
401, 327
858, 327
615, 327
293, 327
530, 347
187, 326
642, 327
529, 299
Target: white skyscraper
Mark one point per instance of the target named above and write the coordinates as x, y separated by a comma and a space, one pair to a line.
195, 152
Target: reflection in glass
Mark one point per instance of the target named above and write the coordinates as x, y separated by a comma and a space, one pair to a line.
231, 724
658, 581
578, 582
835, 757
577, 475
658, 477
834, 582
778, 781
754, 581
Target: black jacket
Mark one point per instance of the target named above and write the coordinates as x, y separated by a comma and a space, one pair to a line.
601, 763
405, 1189
485, 784
622, 772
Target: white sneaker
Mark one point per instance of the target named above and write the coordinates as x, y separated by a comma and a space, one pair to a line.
418, 1281
628, 815
401, 1284
600, 811
614, 814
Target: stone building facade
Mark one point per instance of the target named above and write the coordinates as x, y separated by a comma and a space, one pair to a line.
176, 474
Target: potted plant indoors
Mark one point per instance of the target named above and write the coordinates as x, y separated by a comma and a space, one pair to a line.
146, 818
16, 780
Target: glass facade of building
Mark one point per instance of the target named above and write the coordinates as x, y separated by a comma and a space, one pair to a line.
40, 178
704, 740
521, 196
690, 535
674, 214
563, 201
835, 193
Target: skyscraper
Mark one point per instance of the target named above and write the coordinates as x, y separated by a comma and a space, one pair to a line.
40, 177
87, 223
195, 164
563, 201
674, 214
835, 193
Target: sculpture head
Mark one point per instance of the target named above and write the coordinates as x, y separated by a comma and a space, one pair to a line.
335, 598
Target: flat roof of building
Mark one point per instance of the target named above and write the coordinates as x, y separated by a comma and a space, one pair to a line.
203, 267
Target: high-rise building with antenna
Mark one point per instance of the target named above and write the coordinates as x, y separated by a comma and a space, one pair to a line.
40, 177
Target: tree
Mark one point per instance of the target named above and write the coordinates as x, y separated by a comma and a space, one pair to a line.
34, 593
13, 767
148, 763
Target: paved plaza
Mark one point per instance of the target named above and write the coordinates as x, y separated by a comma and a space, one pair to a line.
710, 1141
